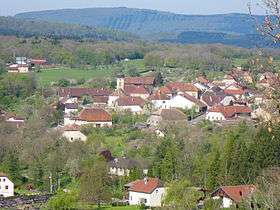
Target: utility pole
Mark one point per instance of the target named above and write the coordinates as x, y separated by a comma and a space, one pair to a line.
51, 185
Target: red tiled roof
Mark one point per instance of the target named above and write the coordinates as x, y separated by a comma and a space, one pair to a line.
159, 96
202, 80
38, 61
72, 127
79, 92
130, 101
94, 115
194, 100
212, 99
100, 99
235, 193
183, 87
139, 80
230, 111
164, 90
133, 89
145, 187
234, 91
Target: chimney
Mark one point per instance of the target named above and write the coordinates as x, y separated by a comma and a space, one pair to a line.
145, 180
240, 193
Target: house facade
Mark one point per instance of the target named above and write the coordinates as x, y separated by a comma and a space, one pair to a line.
6, 186
232, 195
148, 191
73, 133
186, 101
222, 113
134, 105
96, 117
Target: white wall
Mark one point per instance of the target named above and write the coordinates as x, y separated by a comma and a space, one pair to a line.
133, 109
179, 101
74, 136
226, 202
69, 111
215, 116
6, 183
68, 121
153, 200
112, 100
160, 104
144, 96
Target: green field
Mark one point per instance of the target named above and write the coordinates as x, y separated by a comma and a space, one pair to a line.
47, 76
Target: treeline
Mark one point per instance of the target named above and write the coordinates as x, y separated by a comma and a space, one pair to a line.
29, 28
74, 53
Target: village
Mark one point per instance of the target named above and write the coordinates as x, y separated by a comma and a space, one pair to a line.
237, 97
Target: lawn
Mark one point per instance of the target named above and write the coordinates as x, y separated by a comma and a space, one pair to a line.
47, 76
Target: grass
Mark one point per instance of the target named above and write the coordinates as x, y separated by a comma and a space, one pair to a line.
47, 76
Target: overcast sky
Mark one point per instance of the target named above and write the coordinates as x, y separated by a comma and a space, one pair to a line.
12, 7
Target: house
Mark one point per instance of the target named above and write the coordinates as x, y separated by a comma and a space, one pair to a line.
241, 74
234, 90
123, 166
133, 104
166, 116
233, 195
228, 80
6, 186
18, 68
216, 98
221, 113
148, 191
202, 80
182, 88
70, 108
136, 91
90, 116
186, 101
73, 133
200, 86
147, 82
38, 62
159, 101
15, 121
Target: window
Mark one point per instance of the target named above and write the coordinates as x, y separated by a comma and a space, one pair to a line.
145, 200
6, 187
72, 138
4, 180
0, 180
98, 125
156, 191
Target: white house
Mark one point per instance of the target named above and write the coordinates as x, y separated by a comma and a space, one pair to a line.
93, 116
133, 104
221, 113
6, 186
232, 195
186, 101
73, 133
148, 191
159, 101
18, 68
123, 166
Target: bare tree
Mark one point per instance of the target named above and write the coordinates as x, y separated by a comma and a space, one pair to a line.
270, 26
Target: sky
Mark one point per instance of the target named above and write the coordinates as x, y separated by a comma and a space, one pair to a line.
12, 7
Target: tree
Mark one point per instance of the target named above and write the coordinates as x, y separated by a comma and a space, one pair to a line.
95, 183
133, 72
182, 195
270, 26
2, 66
214, 171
